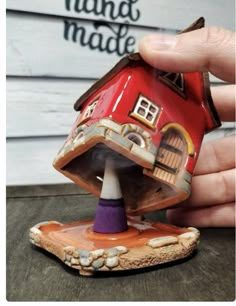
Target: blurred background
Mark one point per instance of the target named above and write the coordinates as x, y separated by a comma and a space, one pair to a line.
57, 48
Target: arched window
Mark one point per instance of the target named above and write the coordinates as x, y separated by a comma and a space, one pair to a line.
175, 81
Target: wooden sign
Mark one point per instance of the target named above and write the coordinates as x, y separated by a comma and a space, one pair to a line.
57, 48
166, 14
46, 46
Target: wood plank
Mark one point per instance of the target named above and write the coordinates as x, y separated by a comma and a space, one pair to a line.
37, 107
36, 46
53, 190
29, 160
42, 107
154, 13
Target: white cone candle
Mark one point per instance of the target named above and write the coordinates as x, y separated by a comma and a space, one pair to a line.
111, 185
110, 214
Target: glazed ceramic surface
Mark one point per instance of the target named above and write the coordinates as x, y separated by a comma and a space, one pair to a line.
134, 145
151, 122
143, 244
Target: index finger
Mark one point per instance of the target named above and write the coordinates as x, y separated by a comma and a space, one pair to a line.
224, 101
208, 49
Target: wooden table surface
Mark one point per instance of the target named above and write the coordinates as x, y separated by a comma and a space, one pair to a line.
35, 275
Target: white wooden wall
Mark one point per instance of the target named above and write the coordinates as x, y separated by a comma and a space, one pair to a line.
46, 73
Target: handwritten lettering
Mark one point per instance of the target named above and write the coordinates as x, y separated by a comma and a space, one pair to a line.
119, 42
105, 8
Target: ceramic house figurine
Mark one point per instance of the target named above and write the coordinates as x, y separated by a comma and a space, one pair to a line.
134, 145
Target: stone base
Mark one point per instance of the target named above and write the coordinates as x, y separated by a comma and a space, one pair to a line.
144, 244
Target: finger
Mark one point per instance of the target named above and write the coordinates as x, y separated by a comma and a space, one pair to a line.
213, 216
212, 189
216, 155
224, 101
207, 49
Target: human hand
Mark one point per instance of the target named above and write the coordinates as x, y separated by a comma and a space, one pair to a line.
212, 200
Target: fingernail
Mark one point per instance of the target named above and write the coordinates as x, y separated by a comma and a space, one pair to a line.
160, 42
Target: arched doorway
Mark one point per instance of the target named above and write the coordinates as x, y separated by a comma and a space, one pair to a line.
171, 156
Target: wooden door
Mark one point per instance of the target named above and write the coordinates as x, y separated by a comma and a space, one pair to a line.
171, 155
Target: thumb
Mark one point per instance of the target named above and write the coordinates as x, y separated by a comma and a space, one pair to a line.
208, 49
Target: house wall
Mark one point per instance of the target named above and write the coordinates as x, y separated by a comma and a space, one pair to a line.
54, 53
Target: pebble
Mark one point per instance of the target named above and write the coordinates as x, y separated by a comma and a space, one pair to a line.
84, 253
122, 249
188, 235
97, 253
162, 241
74, 261
35, 239
111, 252
85, 258
77, 252
85, 261
193, 229
69, 250
97, 264
35, 230
112, 262
68, 258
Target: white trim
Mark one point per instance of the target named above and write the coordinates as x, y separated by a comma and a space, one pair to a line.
149, 110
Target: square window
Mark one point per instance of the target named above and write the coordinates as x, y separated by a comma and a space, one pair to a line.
89, 110
145, 111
